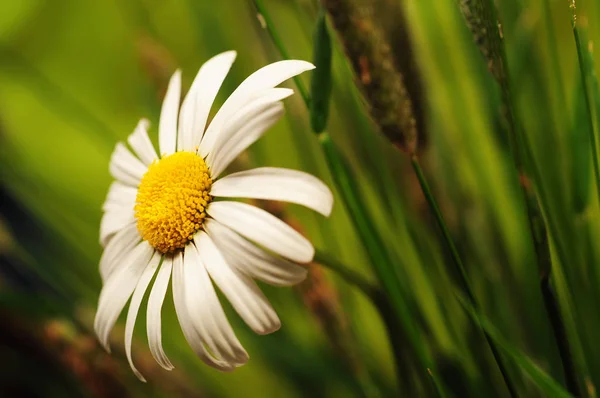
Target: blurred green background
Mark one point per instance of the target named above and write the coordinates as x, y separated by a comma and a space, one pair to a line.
75, 77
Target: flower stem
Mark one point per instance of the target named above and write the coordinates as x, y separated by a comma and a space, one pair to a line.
268, 25
396, 332
456, 260
350, 276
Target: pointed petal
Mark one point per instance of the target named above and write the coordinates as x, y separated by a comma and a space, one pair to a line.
125, 167
241, 291
153, 319
264, 78
118, 247
252, 260
197, 103
245, 137
185, 319
134, 307
141, 144
167, 127
246, 115
207, 312
118, 289
264, 229
273, 183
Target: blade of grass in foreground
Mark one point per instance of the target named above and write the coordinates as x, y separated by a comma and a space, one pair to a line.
590, 87
549, 386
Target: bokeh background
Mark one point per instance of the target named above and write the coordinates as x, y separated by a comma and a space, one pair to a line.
76, 76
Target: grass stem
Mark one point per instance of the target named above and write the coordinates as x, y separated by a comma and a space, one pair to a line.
560, 335
268, 25
457, 261
347, 274
523, 160
590, 87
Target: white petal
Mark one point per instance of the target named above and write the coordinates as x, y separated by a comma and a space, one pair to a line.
119, 246
241, 291
264, 78
245, 137
119, 196
207, 312
185, 319
167, 127
113, 221
197, 103
245, 116
134, 307
252, 260
153, 319
125, 167
273, 183
264, 229
141, 144
122, 176
118, 289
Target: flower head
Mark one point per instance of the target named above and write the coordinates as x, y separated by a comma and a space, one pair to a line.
164, 218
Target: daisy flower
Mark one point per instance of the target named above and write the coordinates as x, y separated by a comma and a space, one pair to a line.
170, 217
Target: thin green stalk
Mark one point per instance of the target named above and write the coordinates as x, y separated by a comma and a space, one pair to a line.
396, 332
493, 49
439, 388
550, 301
268, 25
460, 267
369, 236
537, 227
548, 386
336, 328
404, 337
560, 332
347, 274
589, 88
537, 224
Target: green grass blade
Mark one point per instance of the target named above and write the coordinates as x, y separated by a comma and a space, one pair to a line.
550, 387
590, 88
270, 27
320, 84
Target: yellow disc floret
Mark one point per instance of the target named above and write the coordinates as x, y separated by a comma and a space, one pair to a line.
171, 200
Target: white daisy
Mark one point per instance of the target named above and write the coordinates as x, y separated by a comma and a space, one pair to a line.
162, 216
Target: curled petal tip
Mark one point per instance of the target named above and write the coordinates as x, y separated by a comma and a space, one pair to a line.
139, 376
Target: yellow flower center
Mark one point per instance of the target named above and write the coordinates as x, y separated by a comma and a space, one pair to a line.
171, 200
